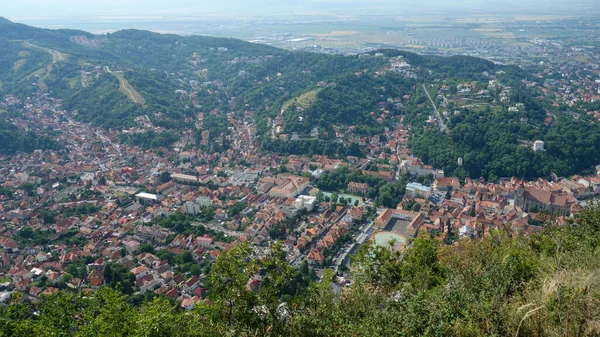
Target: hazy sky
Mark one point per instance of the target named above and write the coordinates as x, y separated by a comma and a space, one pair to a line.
18, 9
79, 13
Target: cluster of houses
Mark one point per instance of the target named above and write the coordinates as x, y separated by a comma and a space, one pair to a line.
66, 215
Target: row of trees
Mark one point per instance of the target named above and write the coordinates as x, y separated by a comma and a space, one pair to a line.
151, 139
385, 194
312, 147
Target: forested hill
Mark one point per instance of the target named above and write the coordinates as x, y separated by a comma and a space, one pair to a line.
492, 118
74, 65
65, 63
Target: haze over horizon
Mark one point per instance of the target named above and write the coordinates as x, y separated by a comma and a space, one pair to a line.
28, 11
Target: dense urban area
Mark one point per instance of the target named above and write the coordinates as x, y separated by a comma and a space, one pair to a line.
258, 189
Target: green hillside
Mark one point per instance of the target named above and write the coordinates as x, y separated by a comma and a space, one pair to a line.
14, 139
173, 78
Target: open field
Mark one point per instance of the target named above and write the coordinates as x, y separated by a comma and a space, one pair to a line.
40, 74
18, 64
73, 82
304, 100
355, 33
584, 59
56, 55
447, 33
128, 90
542, 17
495, 32
338, 33
44, 72
125, 88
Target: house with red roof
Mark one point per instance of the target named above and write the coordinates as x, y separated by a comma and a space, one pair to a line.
315, 257
95, 279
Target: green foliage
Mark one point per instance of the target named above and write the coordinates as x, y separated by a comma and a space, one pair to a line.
13, 139
385, 193
164, 254
457, 66
181, 223
312, 147
164, 177
17, 62
6, 192
161, 68
236, 209
501, 285
186, 257
494, 145
147, 248
29, 236
81, 210
350, 102
103, 104
119, 278
151, 139
281, 229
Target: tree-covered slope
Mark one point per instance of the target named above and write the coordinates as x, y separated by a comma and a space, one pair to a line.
157, 66
175, 78
14, 139
495, 146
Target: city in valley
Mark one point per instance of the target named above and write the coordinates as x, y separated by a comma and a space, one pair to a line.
162, 204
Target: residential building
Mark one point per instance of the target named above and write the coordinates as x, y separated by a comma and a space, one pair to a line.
358, 188
416, 190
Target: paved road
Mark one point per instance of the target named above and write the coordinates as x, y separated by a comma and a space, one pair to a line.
443, 127
360, 237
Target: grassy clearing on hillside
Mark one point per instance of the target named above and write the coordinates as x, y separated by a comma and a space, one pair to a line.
305, 100
126, 89
73, 82
44, 72
18, 64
